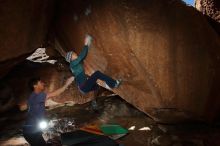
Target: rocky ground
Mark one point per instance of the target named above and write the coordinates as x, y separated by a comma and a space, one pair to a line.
117, 111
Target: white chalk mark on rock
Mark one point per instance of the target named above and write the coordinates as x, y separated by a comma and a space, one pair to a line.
88, 11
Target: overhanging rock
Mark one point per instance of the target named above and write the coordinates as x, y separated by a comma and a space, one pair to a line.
166, 53
209, 7
24, 27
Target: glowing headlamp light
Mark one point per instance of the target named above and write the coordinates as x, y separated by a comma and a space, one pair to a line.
43, 125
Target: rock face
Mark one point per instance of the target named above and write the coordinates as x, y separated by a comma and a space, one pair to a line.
209, 7
166, 53
23, 28
7, 100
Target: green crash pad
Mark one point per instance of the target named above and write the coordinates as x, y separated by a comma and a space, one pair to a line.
110, 129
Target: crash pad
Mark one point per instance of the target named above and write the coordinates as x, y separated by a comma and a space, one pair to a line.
110, 129
92, 129
82, 138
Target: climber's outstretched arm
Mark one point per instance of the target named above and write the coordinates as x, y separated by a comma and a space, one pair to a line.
74, 57
62, 89
77, 59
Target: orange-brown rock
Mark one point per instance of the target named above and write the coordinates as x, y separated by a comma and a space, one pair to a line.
24, 27
166, 53
209, 7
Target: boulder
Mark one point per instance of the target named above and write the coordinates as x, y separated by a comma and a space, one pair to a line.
209, 7
24, 27
165, 52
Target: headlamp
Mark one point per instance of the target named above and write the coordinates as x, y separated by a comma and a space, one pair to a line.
43, 125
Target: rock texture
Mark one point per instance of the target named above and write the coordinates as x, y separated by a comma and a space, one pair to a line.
166, 53
209, 7
23, 28
7, 100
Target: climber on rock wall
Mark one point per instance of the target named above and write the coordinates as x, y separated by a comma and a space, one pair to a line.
32, 129
83, 83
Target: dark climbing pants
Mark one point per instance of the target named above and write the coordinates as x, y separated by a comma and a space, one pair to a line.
35, 139
91, 85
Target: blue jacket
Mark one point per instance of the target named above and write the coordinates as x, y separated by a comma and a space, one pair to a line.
36, 112
76, 66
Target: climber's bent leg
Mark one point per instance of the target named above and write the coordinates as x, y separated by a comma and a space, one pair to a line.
91, 84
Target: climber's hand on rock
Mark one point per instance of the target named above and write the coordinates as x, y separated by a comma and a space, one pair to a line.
88, 40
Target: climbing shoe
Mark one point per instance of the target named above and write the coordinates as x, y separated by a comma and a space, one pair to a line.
118, 83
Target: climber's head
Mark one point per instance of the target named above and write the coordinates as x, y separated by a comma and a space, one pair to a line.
36, 84
70, 56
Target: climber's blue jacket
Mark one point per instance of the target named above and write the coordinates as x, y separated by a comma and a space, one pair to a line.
76, 66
